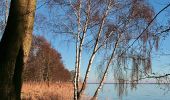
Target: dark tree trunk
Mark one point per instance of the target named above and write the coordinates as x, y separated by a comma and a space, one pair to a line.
12, 46
17, 78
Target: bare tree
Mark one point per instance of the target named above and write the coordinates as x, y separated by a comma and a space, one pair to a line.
113, 31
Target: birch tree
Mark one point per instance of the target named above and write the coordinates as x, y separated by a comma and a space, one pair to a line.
115, 32
101, 24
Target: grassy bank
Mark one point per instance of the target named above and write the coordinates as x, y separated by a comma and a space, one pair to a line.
41, 91
53, 91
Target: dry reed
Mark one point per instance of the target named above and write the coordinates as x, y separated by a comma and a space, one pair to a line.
41, 91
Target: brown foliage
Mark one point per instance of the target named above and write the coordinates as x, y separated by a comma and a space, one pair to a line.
45, 63
141, 10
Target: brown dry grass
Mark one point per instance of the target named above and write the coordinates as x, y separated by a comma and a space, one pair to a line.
55, 91
41, 91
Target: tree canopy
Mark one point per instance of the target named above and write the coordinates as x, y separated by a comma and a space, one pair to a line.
45, 63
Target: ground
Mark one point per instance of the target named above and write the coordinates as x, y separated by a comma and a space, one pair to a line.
43, 91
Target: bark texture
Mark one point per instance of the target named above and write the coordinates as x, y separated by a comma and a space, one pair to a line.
14, 47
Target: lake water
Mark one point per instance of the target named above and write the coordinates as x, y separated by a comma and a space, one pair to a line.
142, 92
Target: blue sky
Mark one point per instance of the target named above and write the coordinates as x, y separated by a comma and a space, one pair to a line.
160, 64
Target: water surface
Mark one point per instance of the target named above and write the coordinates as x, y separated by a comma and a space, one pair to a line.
142, 92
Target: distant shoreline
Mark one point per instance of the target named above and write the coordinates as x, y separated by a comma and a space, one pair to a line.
129, 83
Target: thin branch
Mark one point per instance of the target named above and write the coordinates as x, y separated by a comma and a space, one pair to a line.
94, 49
106, 70
146, 28
82, 41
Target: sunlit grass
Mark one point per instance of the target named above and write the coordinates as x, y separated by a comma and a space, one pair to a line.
53, 91
41, 91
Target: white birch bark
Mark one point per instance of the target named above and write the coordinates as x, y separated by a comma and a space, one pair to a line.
106, 70
81, 43
77, 70
95, 49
